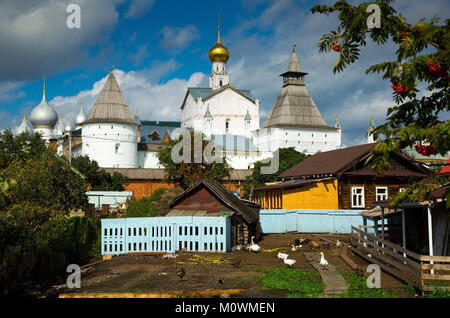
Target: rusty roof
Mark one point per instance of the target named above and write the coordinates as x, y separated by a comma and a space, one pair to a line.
248, 213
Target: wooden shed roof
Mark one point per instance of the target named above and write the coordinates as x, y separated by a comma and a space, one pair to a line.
227, 198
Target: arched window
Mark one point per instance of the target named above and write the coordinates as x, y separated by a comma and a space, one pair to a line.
117, 148
220, 83
227, 125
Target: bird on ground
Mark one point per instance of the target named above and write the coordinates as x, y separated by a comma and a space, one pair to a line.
289, 262
181, 272
282, 256
239, 247
338, 243
222, 280
315, 245
294, 248
236, 262
323, 261
254, 247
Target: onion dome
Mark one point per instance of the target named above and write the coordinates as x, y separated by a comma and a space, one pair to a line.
43, 115
23, 127
208, 112
337, 124
371, 126
218, 53
59, 129
137, 118
68, 127
81, 117
247, 116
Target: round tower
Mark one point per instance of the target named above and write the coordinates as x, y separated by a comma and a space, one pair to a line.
110, 133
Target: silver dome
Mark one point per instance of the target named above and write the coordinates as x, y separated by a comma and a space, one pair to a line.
23, 127
68, 127
81, 117
43, 115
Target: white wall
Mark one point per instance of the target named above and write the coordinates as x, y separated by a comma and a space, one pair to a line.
308, 141
100, 140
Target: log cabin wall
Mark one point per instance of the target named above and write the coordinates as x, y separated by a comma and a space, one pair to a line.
370, 184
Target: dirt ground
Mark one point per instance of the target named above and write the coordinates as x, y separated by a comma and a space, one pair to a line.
153, 273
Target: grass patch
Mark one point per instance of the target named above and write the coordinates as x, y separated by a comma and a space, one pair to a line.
357, 288
300, 284
439, 293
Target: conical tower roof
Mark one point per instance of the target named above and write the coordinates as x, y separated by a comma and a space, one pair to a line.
111, 106
294, 106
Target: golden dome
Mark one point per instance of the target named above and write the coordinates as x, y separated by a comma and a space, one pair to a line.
218, 53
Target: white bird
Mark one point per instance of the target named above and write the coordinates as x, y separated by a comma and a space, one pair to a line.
323, 261
254, 247
294, 248
289, 262
338, 243
282, 255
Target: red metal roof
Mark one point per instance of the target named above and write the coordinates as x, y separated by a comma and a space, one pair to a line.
446, 169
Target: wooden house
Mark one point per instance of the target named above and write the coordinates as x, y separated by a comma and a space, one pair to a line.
338, 179
210, 198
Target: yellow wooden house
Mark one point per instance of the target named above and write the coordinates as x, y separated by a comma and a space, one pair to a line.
338, 179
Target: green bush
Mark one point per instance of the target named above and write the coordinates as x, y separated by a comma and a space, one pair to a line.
144, 207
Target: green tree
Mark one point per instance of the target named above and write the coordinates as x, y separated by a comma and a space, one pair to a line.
186, 174
288, 157
99, 179
32, 172
422, 58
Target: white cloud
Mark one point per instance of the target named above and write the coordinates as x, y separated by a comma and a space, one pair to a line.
10, 91
175, 39
142, 90
138, 8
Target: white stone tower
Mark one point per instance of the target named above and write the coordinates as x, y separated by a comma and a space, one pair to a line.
110, 133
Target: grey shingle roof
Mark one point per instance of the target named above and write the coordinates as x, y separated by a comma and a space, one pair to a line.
294, 106
111, 106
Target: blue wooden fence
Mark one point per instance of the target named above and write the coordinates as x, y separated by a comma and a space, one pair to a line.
310, 221
165, 234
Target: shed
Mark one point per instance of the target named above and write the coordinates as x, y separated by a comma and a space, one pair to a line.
210, 198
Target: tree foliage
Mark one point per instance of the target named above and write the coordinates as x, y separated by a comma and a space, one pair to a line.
422, 58
99, 179
186, 174
38, 190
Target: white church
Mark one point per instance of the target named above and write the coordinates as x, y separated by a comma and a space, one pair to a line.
228, 116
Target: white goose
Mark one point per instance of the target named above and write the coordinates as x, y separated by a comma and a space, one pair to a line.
282, 256
289, 262
294, 248
323, 261
254, 247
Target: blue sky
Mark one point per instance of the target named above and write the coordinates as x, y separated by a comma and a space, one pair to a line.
159, 48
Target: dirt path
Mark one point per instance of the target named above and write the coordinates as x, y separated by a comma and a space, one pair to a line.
334, 282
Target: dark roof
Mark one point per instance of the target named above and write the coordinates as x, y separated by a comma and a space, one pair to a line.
227, 198
334, 162
328, 162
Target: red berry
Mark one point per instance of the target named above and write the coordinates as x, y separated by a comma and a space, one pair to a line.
336, 47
